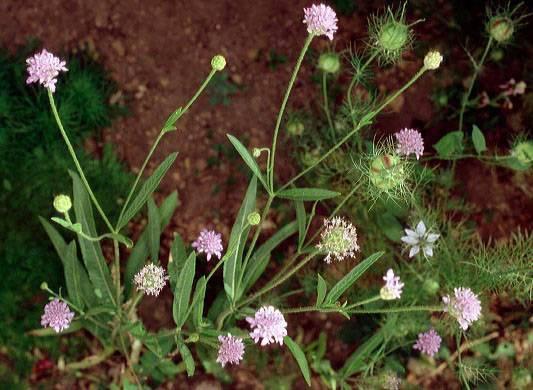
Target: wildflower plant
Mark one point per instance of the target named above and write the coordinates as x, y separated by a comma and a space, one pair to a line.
243, 316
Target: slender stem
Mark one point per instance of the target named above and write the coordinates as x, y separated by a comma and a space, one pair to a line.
215, 268
466, 96
76, 162
326, 105
304, 309
282, 108
363, 302
91, 360
135, 302
397, 309
116, 274
158, 139
363, 122
257, 231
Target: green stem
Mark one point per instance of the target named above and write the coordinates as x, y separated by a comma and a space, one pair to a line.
282, 109
76, 162
90, 361
326, 105
363, 302
163, 131
396, 309
364, 121
135, 302
117, 271
466, 96
305, 309
257, 231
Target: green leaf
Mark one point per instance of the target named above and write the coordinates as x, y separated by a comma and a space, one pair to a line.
300, 358
154, 230
478, 139
355, 362
305, 194
146, 190
93, 257
187, 359
389, 225
182, 292
301, 218
176, 260
140, 251
198, 301
233, 262
321, 288
346, 282
259, 260
450, 144
248, 159
169, 124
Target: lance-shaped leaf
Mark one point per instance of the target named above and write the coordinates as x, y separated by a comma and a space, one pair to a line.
176, 260
248, 159
355, 362
182, 292
154, 229
321, 288
93, 257
300, 358
349, 279
198, 302
478, 139
186, 355
146, 190
238, 236
307, 194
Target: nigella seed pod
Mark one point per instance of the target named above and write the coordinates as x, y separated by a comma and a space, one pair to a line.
387, 172
393, 36
501, 28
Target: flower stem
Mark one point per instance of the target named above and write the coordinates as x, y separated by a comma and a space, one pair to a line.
326, 105
363, 302
396, 309
304, 309
77, 163
158, 139
116, 274
282, 109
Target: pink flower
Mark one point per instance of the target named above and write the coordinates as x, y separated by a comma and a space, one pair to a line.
269, 324
410, 141
320, 20
512, 88
209, 242
464, 306
57, 315
230, 350
393, 287
428, 342
43, 68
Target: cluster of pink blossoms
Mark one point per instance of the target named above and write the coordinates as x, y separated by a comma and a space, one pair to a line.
44, 68
393, 287
464, 305
57, 315
210, 243
269, 325
410, 141
230, 350
320, 20
428, 342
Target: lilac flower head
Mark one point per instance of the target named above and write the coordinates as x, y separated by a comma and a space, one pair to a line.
464, 306
410, 141
338, 239
320, 20
209, 242
393, 287
230, 350
44, 68
269, 324
57, 315
418, 238
428, 342
151, 279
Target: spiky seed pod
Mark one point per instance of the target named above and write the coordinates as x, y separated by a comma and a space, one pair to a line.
503, 22
387, 172
501, 28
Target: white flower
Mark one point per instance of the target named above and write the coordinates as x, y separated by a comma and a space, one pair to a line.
420, 238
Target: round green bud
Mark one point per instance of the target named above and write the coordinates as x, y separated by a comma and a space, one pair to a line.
254, 218
218, 62
62, 203
432, 60
496, 55
329, 62
387, 172
193, 338
295, 128
501, 28
393, 36
44, 286
523, 152
431, 286
256, 152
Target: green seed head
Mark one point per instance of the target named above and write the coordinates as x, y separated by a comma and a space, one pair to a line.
501, 28
387, 172
393, 36
329, 62
218, 62
62, 203
523, 152
254, 218
44, 286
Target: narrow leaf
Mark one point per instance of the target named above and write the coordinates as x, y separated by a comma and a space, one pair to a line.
182, 292
349, 279
198, 301
176, 261
154, 229
233, 262
306, 194
301, 217
146, 190
479, 140
450, 144
300, 358
321, 288
248, 159
355, 362
187, 358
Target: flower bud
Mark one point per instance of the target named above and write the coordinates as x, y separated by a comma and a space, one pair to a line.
256, 152
295, 127
218, 62
329, 62
432, 60
254, 218
393, 36
501, 28
193, 338
62, 203
44, 286
431, 286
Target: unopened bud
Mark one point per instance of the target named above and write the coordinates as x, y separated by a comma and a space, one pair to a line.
432, 60
254, 218
256, 152
44, 286
329, 62
218, 62
62, 203
501, 28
